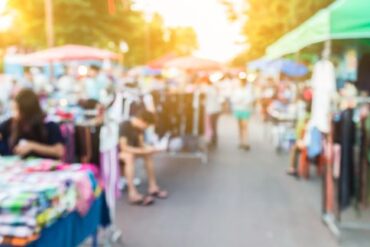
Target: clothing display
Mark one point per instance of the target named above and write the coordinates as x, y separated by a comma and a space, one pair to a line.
110, 174
363, 79
347, 167
179, 114
68, 133
87, 142
35, 193
347, 160
73, 229
324, 87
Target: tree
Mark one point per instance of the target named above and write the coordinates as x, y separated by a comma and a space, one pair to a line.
182, 40
265, 21
90, 22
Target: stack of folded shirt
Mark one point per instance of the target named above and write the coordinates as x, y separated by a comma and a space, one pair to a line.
36, 193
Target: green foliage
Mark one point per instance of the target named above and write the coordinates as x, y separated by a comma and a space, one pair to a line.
182, 41
268, 20
88, 22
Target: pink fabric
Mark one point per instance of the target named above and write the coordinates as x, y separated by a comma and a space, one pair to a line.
336, 161
110, 174
208, 132
68, 53
85, 194
329, 152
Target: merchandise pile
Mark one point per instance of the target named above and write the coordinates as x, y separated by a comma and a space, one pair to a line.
35, 193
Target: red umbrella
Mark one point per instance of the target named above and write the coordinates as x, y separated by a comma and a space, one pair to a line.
194, 63
70, 53
159, 63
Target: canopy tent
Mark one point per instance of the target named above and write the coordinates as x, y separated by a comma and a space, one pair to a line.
143, 71
159, 63
285, 66
70, 53
344, 19
194, 63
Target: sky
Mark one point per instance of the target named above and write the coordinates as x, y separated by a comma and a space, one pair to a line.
216, 35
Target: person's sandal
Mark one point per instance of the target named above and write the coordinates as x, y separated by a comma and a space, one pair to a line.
247, 147
145, 201
292, 173
160, 194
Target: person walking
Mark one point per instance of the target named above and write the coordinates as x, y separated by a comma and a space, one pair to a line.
213, 110
242, 100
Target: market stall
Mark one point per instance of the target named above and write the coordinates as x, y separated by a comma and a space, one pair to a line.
57, 56
191, 63
343, 20
49, 203
338, 117
276, 66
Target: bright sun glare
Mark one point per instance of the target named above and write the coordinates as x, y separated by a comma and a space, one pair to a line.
217, 37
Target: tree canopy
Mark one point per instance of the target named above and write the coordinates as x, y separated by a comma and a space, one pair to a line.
91, 22
265, 21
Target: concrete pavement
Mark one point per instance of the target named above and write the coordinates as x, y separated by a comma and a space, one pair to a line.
238, 199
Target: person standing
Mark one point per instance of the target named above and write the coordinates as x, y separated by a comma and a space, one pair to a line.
95, 84
242, 101
67, 82
213, 110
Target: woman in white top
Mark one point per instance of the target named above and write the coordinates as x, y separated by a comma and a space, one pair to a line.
242, 107
213, 109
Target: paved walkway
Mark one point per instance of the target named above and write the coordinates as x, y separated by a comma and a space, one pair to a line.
239, 199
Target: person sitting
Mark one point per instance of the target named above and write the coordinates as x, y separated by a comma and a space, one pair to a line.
27, 134
132, 147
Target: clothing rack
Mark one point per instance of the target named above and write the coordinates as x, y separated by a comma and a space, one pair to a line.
182, 115
331, 202
89, 150
111, 171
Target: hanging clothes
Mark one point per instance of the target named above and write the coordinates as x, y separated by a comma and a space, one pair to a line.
88, 143
180, 114
363, 81
68, 133
324, 87
364, 160
347, 165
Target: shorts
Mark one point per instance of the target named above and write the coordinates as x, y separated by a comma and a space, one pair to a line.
242, 115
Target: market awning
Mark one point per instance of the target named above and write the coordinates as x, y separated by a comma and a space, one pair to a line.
159, 63
285, 66
344, 19
70, 53
194, 63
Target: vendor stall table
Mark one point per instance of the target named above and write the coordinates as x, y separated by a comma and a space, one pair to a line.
73, 229
48, 203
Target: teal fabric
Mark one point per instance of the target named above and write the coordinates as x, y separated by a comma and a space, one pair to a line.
73, 229
242, 115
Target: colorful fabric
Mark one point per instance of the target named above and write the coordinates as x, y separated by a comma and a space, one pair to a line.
16, 241
35, 193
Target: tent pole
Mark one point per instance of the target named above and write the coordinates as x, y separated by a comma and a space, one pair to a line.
326, 53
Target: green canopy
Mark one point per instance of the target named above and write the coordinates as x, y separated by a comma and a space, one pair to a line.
344, 19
